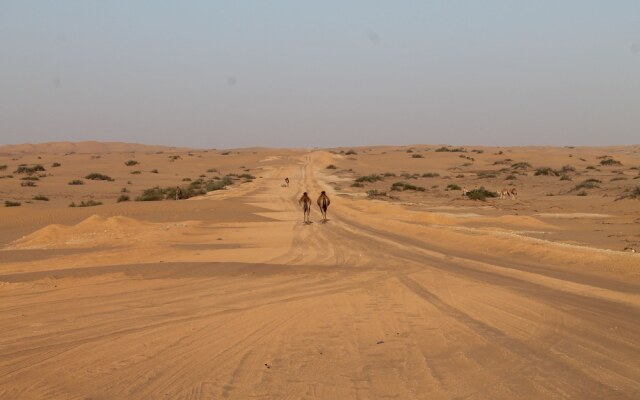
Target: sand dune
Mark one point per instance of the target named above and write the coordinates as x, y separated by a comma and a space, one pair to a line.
407, 294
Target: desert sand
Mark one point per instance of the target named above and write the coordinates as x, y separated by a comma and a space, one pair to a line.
420, 293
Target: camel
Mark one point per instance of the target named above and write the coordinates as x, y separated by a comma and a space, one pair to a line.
305, 202
512, 194
323, 203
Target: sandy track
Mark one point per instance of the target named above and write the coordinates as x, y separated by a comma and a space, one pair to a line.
364, 306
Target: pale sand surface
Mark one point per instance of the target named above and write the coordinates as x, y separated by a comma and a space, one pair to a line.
416, 294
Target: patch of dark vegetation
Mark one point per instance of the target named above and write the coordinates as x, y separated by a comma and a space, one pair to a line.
417, 156
447, 149
481, 194
521, 165
131, 163
609, 162
388, 174
25, 169
567, 169
28, 184
154, 171
98, 177
375, 193
407, 175
212, 170
123, 197
511, 178
186, 179
591, 167
402, 186
430, 175
10, 203
630, 194
41, 198
76, 182
565, 178
587, 184
30, 178
136, 172
174, 158
357, 184
502, 162
453, 186
618, 178
3, 167
369, 178
88, 203
478, 151
331, 166
486, 175
124, 190
546, 171
56, 165
351, 153
581, 193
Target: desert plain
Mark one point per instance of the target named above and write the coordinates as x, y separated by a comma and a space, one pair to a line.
410, 290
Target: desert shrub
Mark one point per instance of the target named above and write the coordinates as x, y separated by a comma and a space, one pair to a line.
357, 184
88, 203
466, 164
131, 163
510, 177
351, 153
123, 197
486, 175
30, 178
417, 156
247, 176
372, 193
453, 186
154, 171
450, 149
136, 172
55, 165
407, 175
568, 168
369, 178
388, 174
9, 203
610, 161
502, 162
212, 170
24, 169
3, 167
546, 171
477, 151
98, 177
588, 184
460, 176
331, 166
219, 184
225, 153
581, 193
430, 175
402, 186
76, 182
174, 158
186, 179
28, 184
565, 178
152, 194
41, 198
590, 167
521, 165
618, 178
480, 194
6, 176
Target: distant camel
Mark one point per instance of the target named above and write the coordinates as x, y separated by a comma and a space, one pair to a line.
512, 194
323, 203
286, 181
305, 202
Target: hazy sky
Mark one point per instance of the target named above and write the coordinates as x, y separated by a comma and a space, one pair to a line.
324, 73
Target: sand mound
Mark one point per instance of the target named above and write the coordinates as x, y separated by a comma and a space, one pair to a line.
92, 231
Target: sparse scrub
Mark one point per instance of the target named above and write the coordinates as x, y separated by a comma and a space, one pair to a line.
581, 193
124, 190
98, 177
388, 174
247, 176
565, 178
28, 184
369, 178
88, 203
3, 167
610, 162
152, 194
9, 203
154, 171
402, 186
174, 158
186, 179
136, 172
131, 163
511, 178
480, 194
588, 184
30, 178
453, 186
123, 197
331, 166
430, 175
618, 178
357, 184
486, 175
546, 171
417, 156
477, 151
212, 170
76, 182
568, 168
55, 165
24, 169
407, 175
41, 198
450, 149
521, 165
351, 153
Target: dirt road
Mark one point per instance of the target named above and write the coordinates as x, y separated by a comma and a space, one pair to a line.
371, 304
